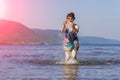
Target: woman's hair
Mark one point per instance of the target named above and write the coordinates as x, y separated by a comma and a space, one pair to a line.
71, 14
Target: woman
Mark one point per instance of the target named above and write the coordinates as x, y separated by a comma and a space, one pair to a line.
71, 41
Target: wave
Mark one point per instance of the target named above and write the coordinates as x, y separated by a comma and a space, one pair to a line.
53, 62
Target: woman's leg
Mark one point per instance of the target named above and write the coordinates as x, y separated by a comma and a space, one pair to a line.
74, 54
67, 56
75, 50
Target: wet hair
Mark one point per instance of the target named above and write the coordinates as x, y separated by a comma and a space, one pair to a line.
71, 14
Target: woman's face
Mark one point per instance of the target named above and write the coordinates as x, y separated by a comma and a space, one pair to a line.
70, 19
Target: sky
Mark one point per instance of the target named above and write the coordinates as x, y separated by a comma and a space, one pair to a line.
95, 17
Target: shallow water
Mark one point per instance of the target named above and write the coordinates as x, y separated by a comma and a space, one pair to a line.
38, 62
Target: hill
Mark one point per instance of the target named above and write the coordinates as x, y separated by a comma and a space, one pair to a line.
55, 36
16, 33
97, 40
49, 36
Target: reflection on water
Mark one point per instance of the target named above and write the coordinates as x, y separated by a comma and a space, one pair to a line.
70, 72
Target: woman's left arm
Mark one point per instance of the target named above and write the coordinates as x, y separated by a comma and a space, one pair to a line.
76, 28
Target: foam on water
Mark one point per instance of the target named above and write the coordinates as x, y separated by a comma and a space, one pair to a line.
70, 61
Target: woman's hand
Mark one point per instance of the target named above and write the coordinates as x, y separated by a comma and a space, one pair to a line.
65, 22
64, 25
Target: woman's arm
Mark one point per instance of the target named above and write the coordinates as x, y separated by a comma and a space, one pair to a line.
64, 26
76, 28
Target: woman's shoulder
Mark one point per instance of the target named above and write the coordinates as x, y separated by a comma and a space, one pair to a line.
76, 25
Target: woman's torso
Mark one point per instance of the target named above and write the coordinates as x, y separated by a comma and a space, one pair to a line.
70, 32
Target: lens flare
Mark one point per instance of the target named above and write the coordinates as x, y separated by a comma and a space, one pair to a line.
2, 8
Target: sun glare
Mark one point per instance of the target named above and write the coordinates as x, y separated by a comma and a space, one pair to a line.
2, 8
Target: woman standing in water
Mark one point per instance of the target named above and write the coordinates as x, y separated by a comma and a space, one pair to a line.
71, 41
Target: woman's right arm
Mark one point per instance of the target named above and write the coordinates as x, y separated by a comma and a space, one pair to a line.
64, 26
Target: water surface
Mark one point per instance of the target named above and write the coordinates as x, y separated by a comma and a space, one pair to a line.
38, 62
